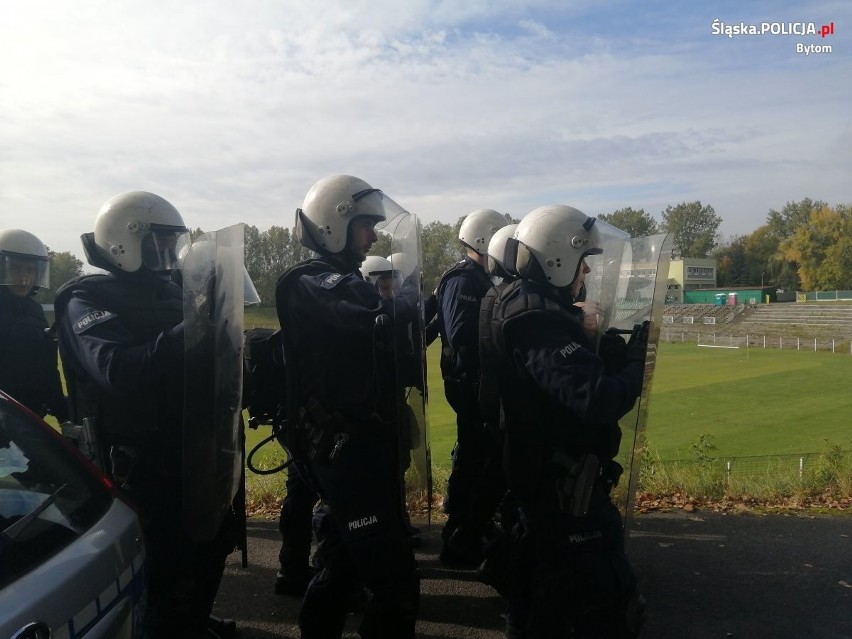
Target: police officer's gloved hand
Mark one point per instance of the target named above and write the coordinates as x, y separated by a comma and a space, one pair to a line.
613, 351
637, 345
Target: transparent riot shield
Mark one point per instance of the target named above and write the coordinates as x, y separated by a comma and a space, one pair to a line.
637, 294
403, 231
213, 291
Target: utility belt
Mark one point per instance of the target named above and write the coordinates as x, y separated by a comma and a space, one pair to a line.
577, 479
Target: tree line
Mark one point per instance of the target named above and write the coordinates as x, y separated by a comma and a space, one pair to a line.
807, 245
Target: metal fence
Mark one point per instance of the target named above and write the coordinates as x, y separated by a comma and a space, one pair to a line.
823, 296
713, 340
757, 466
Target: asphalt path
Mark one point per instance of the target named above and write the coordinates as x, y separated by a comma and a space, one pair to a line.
705, 575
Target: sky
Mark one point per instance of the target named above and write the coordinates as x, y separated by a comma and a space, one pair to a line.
232, 110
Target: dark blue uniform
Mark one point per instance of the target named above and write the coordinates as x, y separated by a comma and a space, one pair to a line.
28, 364
459, 295
561, 406
121, 341
342, 421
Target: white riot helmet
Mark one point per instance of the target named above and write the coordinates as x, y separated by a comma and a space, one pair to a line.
24, 261
137, 229
403, 264
555, 238
374, 267
322, 224
497, 251
479, 227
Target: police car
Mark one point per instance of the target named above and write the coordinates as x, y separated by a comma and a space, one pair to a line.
72, 560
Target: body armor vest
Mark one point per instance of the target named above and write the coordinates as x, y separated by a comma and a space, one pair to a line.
147, 307
450, 366
538, 429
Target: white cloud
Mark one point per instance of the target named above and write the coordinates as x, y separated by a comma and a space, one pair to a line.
233, 111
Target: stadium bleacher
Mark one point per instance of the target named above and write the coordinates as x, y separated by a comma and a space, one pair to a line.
824, 320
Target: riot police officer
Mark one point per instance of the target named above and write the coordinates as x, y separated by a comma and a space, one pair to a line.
28, 370
342, 412
491, 486
570, 575
121, 337
459, 294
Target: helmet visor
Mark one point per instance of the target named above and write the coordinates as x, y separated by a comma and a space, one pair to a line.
24, 271
605, 265
161, 247
378, 205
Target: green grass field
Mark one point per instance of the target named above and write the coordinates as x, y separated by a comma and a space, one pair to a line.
261, 317
750, 401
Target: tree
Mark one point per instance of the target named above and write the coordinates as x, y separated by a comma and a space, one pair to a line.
693, 228
784, 223
732, 263
383, 246
636, 223
761, 249
441, 249
64, 266
781, 225
822, 248
752, 260
267, 255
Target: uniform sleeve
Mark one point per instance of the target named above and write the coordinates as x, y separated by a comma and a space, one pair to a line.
459, 300
343, 303
560, 363
103, 346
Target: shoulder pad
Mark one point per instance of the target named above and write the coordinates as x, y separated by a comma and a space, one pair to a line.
514, 303
306, 267
469, 269
87, 283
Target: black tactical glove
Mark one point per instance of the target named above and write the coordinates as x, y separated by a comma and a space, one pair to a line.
613, 351
637, 345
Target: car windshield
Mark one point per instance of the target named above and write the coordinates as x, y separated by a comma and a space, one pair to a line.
48, 496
